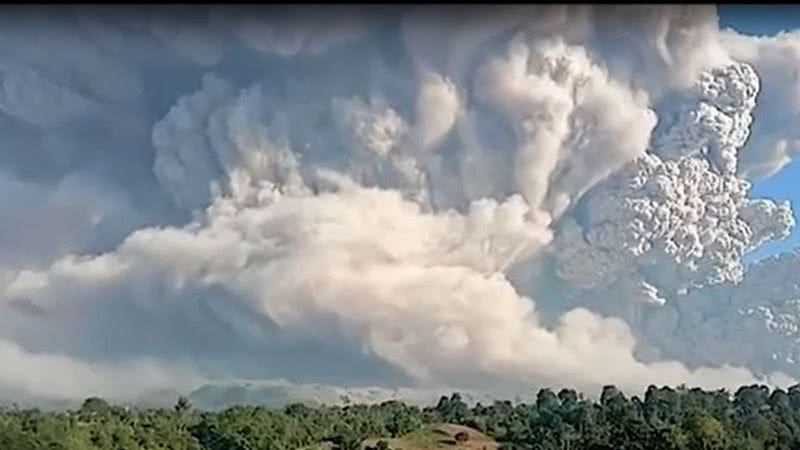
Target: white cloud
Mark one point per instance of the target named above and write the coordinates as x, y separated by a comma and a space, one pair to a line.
773, 143
364, 185
362, 268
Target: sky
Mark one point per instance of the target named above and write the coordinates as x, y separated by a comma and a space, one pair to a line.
420, 198
768, 20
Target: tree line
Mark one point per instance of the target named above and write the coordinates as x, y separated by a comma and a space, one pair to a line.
753, 418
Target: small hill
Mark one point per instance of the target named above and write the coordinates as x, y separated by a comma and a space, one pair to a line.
436, 437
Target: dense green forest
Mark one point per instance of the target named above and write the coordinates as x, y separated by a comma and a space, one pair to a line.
754, 417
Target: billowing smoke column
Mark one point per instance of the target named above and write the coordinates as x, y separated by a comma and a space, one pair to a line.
679, 216
512, 196
675, 225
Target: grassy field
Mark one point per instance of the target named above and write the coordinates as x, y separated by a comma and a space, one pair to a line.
439, 437
431, 438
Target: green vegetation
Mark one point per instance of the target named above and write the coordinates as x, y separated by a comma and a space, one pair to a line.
664, 418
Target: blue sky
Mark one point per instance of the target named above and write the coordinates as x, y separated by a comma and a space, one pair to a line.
769, 20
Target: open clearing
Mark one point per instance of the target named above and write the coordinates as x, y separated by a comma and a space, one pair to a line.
439, 437
432, 437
